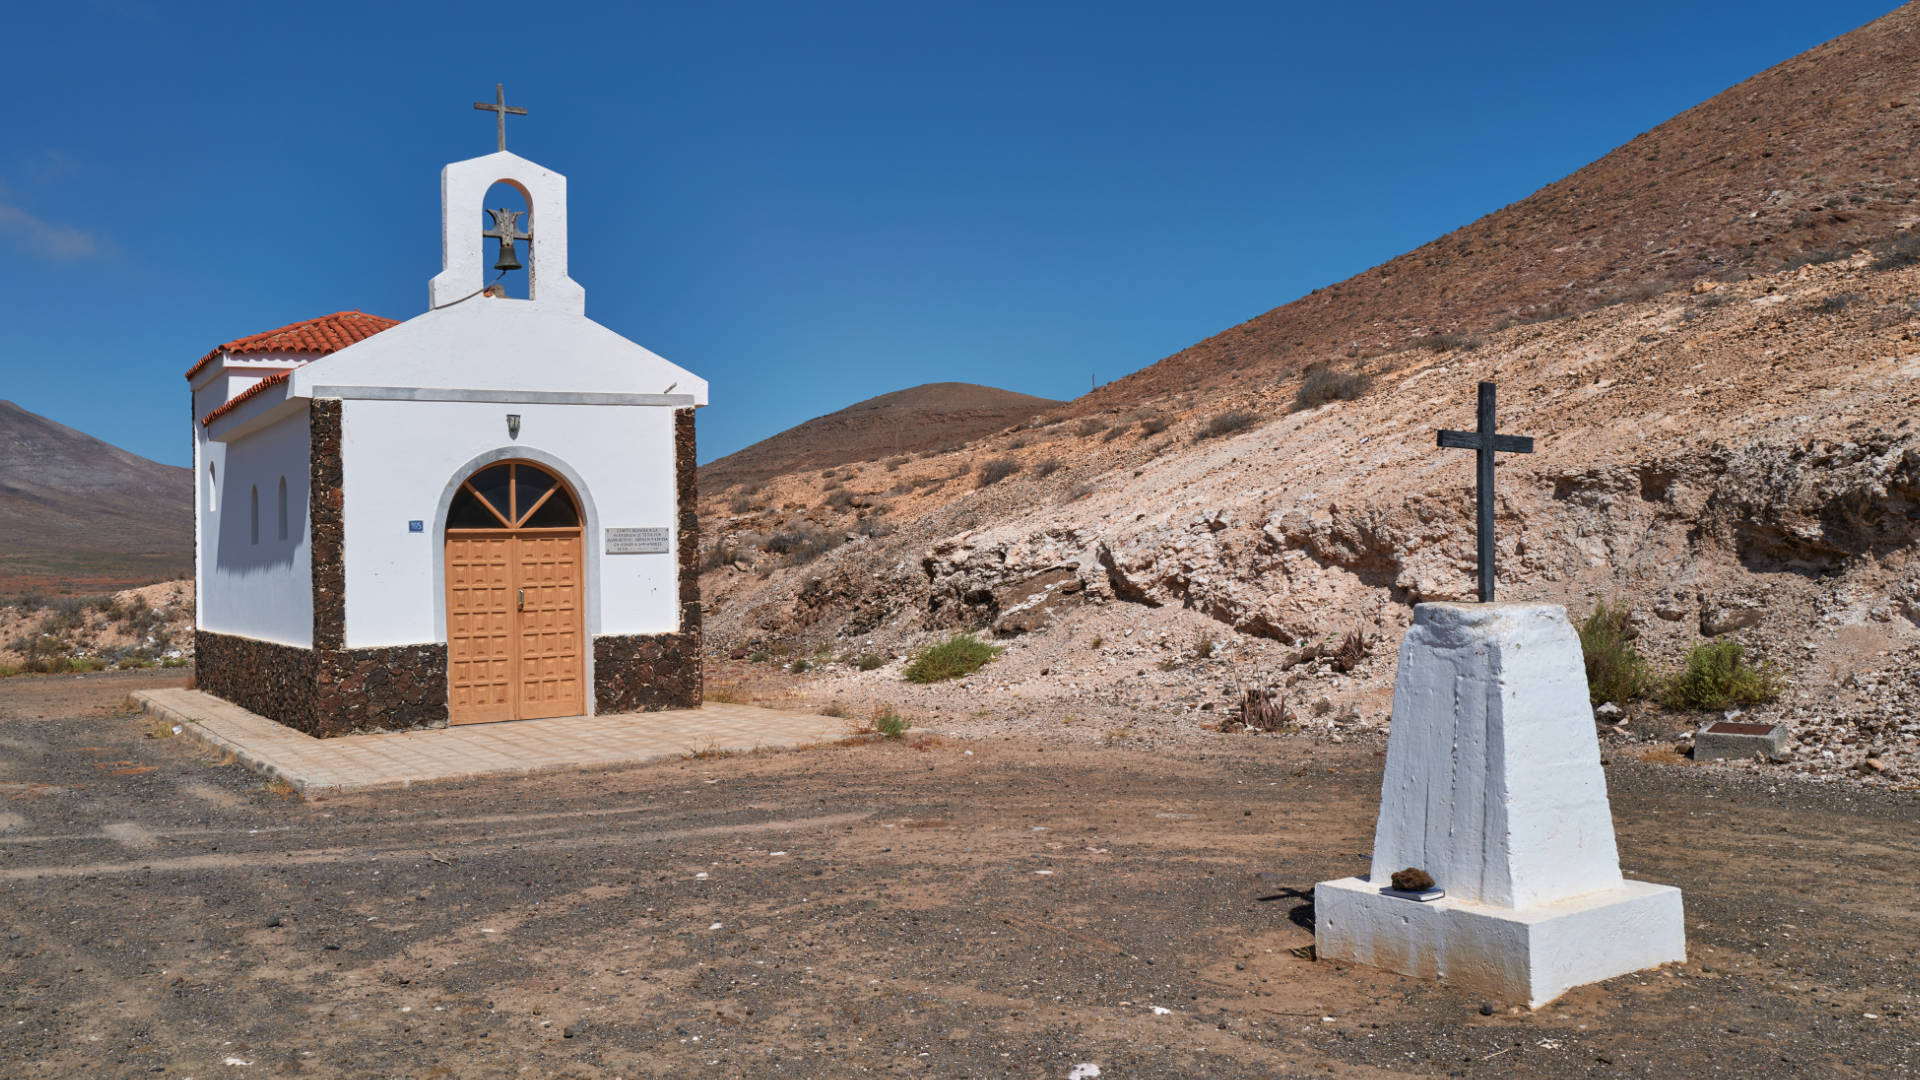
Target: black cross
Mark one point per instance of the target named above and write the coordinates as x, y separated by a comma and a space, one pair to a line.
1487, 443
500, 108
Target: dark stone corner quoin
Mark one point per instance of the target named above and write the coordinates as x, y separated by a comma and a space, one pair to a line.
331, 690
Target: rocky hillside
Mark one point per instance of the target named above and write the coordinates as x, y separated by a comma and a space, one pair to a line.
1736, 462
936, 416
1713, 334
1807, 161
78, 514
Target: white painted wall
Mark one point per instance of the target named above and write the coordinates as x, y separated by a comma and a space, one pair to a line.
400, 457
259, 590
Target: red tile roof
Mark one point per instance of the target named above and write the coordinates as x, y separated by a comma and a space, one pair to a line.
249, 392
328, 333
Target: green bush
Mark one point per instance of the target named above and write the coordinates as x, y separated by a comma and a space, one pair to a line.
1615, 672
1717, 675
959, 655
870, 662
891, 724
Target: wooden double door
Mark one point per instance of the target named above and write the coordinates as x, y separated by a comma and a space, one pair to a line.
515, 598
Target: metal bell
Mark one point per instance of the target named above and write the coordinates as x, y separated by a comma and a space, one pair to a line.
509, 257
506, 228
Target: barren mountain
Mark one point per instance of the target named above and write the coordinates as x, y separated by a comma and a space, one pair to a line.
1726, 450
936, 416
1807, 161
76, 513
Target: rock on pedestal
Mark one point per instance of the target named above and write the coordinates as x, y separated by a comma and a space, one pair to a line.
1493, 786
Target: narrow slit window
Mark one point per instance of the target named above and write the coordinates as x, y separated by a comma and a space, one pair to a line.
213, 486
283, 508
253, 514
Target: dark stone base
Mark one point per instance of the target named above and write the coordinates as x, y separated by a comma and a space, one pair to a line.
646, 672
326, 692
398, 688
262, 677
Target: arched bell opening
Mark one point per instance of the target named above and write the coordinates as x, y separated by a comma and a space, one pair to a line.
506, 223
516, 597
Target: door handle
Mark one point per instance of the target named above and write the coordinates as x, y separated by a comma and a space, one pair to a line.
521, 603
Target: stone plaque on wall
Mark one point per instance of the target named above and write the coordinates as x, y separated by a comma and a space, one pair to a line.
637, 541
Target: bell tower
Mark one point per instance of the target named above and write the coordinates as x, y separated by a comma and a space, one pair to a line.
463, 189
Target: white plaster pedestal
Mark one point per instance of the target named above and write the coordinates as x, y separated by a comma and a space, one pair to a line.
1493, 786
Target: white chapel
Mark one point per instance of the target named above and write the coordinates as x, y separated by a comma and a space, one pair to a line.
483, 513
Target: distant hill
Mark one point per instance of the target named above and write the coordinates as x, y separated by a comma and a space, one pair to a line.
78, 514
931, 417
1807, 161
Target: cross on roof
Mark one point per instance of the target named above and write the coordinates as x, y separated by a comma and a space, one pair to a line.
500, 109
1487, 443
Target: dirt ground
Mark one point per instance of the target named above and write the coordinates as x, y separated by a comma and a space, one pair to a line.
944, 907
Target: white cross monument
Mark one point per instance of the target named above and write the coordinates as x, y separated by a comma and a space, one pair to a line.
1493, 787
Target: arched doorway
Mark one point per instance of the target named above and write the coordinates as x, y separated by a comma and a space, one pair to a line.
515, 597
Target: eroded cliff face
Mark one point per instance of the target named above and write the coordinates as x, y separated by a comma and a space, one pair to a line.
1735, 461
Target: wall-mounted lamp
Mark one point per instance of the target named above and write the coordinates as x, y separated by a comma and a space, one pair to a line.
513, 425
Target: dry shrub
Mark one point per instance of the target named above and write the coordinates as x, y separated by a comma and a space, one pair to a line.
1326, 384
1046, 468
1264, 709
1351, 651
1449, 342
1902, 249
1226, 423
996, 470
804, 544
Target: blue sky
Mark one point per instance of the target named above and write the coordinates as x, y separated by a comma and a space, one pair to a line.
808, 204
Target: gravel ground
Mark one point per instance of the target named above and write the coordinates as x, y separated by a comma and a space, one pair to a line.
948, 907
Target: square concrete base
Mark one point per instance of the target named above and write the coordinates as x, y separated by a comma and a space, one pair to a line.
1514, 955
1723, 739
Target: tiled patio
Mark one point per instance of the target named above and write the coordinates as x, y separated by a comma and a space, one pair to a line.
353, 762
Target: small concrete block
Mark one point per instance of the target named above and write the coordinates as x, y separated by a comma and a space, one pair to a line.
1724, 739
1524, 956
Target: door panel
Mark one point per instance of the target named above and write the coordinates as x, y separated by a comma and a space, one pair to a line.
480, 625
552, 667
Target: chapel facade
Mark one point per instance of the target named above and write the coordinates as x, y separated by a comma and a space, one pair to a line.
483, 513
